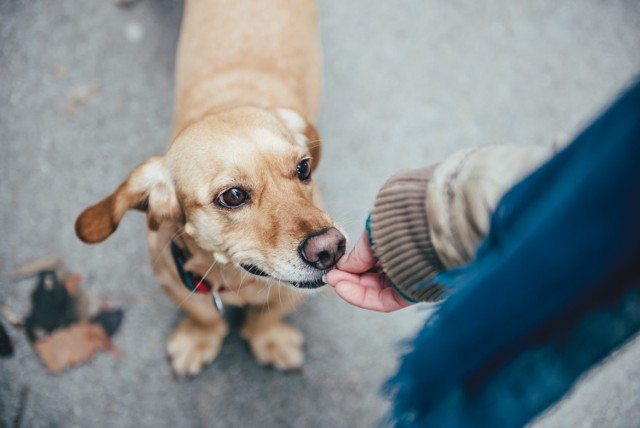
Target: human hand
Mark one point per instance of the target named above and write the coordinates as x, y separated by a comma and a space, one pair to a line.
360, 281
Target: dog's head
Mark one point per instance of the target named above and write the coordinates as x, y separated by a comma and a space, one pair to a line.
241, 183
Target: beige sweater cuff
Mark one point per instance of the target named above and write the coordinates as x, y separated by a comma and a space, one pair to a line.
400, 235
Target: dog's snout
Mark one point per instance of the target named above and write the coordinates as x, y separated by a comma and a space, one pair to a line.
323, 250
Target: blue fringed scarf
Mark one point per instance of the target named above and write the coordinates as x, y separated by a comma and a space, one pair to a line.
555, 287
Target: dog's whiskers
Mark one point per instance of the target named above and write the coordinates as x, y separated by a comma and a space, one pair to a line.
263, 288
224, 280
197, 285
267, 286
175, 235
187, 298
279, 295
243, 275
268, 291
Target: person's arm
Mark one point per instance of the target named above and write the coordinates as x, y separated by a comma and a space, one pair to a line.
427, 220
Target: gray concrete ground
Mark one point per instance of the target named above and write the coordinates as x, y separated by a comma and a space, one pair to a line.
86, 94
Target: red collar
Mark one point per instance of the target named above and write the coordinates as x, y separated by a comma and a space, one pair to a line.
193, 282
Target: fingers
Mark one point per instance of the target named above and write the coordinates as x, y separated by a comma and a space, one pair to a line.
371, 291
380, 300
361, 288
369, 280
360, 258
334, 276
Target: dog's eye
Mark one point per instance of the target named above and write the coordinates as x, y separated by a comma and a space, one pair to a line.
233, 198
304, 170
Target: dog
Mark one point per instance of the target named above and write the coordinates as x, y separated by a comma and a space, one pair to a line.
232, 206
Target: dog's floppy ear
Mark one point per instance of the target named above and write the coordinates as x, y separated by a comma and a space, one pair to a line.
148, 188
303, 131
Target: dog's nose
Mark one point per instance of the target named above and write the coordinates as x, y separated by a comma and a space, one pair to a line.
324, 249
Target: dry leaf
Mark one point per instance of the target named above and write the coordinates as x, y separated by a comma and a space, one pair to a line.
71, 346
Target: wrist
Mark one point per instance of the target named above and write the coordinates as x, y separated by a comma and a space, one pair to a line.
400, 238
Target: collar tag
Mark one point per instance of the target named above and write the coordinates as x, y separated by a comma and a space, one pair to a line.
217, 302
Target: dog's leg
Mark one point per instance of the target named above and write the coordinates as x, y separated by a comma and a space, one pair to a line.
272, 340
197, 340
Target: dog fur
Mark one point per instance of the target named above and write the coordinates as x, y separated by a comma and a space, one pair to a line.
247, 91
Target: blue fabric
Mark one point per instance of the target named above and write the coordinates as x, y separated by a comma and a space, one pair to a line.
554, 288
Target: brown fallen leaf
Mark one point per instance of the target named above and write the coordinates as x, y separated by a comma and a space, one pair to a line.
71, 346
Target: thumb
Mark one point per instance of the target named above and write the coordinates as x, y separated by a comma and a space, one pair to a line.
360, 258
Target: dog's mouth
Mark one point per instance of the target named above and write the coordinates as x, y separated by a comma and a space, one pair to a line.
309, 285
254, 270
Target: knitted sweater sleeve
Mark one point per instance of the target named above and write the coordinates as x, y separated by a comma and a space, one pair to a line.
427, 220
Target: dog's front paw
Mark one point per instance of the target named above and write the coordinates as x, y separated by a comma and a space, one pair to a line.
279, 345
192, 346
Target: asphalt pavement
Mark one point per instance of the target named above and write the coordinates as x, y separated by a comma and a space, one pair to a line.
86, 95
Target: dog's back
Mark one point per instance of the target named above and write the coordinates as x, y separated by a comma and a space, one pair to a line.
239, 52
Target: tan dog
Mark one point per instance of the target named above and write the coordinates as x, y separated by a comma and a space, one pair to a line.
234, 191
